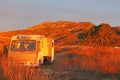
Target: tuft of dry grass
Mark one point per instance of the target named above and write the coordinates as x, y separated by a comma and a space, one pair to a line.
99, 59
18, 72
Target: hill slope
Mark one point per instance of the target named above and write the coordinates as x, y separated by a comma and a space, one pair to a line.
71, 33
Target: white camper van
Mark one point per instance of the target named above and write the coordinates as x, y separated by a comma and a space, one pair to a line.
31, 49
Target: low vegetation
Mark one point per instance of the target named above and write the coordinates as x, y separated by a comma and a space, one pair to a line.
71, 63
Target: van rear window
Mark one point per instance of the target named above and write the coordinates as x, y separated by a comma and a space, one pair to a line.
23, 45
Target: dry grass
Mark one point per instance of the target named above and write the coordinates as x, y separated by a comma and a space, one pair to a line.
71, 63
100, 60
1, 49
18, 72
105, 59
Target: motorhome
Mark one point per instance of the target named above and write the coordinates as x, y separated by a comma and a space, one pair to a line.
31, 49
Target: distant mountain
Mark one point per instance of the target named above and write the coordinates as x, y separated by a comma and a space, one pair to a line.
72, 33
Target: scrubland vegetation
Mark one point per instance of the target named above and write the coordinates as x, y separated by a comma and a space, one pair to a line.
89, 63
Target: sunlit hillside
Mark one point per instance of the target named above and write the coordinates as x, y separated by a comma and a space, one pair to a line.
71, 33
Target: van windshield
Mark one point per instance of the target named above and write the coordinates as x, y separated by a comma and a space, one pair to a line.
23, 45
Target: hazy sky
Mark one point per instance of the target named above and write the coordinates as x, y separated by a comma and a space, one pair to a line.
20, 14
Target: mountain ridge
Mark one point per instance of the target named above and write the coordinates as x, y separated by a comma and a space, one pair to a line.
72, 33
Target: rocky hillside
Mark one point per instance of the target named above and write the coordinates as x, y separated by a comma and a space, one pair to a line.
104, 35
71, 33
117, 29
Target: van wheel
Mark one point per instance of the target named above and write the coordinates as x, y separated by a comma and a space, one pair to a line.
47, 59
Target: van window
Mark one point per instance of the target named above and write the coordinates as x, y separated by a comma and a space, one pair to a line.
23, 45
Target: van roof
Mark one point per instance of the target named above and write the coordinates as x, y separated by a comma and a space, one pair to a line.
29, 37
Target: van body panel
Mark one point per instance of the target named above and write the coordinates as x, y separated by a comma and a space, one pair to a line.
21, 57
44, 47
